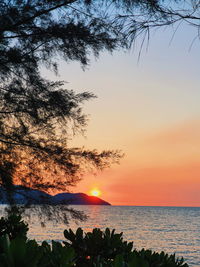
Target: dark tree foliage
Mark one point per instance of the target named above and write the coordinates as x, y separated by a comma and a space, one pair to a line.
38, 116
134, 18
13, 226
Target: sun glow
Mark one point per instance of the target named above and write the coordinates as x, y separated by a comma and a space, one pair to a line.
95, 192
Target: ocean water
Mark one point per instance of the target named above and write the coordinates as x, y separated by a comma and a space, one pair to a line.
172, 229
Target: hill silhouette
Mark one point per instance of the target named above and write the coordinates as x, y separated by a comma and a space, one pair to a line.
24, 195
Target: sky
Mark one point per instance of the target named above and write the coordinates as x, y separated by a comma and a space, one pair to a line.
148, 108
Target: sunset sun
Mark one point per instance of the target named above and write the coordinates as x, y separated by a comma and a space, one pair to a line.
95, 192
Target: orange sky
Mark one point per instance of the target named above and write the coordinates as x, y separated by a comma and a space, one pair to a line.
157, 170
150, 110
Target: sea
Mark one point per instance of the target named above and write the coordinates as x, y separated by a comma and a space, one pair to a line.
170, 229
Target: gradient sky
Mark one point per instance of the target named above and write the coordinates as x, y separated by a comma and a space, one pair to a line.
150, 110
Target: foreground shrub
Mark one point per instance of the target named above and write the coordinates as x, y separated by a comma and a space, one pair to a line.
19, 252
158, 259
107, 249
56, 255
13, 226
93, 249
96, 246
22, 253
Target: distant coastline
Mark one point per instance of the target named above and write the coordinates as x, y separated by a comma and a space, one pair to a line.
23, 195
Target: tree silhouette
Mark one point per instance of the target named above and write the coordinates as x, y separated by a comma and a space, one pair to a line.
135, 18
39, 116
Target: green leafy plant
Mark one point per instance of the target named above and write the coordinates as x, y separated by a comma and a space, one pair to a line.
13, 226
23, 253
96, 246
19, 252
161, 259
92, 249
56, 255
107, 249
